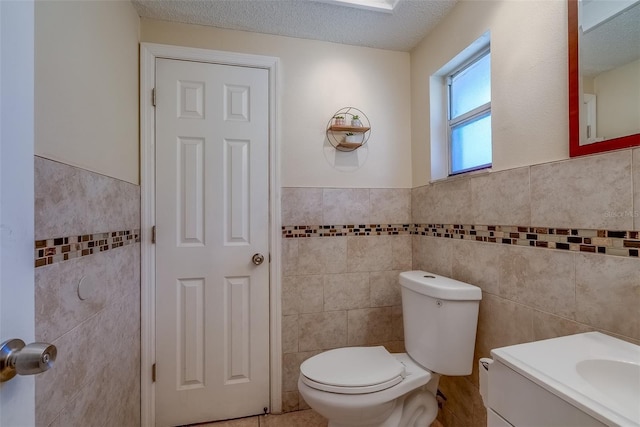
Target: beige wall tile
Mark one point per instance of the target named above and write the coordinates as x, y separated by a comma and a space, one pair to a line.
290, 401
501, 198
369, 253
397, 324
542, 279
322, 255
530, 293
588, 192
322, 331
502, 322
290, 334
89, 334
394, 346
97, 403
302, 294
608, 293
390, 205
401, 247
477, 263
432, 254
547, 326
447, 202
58, 308
73, 371
83, 363
370, 326
346, 291
343, 206
419, 209
301, 206
419, 252
60, 421
289, 256
385, 288
72, 201
291, 368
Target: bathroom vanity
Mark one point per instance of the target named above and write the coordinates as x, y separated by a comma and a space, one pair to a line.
581, 380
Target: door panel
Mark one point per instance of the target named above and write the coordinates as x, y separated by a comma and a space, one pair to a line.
212, 199
17, 396
191, 191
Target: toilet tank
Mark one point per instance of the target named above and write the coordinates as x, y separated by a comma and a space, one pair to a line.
440, 321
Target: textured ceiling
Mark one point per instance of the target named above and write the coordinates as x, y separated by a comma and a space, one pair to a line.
401, 30
612, 44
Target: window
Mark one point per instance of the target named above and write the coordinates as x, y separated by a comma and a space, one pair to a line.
469, 115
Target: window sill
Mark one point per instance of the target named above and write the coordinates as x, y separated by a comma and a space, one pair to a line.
463, 175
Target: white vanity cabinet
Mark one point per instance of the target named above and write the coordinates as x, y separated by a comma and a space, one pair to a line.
514, 400
582, 380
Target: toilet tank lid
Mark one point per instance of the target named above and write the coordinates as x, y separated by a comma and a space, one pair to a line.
437, 286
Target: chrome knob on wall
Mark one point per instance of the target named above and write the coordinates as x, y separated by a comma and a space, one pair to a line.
18, 358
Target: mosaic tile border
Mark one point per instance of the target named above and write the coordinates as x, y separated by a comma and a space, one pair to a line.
295, 231
61, 249
605, 242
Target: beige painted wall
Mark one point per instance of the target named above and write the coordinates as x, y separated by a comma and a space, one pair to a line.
618, 97
529, 79
317, 79
86, 85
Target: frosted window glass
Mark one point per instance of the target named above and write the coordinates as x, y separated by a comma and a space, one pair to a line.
471, 87
471, 144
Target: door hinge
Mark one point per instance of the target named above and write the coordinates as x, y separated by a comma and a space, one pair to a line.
269, 257
153, 234
153, 96
153, 373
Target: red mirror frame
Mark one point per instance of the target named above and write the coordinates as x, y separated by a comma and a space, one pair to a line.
575, 149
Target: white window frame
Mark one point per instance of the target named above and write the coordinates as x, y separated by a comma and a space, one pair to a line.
477, 113
439, 109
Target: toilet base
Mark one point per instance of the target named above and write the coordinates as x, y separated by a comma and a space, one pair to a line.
417, 409
411, 403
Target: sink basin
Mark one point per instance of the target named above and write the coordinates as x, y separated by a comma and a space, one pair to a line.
594, 372
619, 380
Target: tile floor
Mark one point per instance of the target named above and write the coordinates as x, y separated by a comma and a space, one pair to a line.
307, 418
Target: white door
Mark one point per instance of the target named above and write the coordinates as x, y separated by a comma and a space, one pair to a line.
212, 201
17, 396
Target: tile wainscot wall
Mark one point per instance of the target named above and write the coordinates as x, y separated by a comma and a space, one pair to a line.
87, 225
340, 290
554, 248
535, 292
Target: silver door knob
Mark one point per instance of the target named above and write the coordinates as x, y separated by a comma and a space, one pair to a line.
18, 358
257, 259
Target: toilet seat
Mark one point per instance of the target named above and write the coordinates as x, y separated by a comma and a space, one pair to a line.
352, 370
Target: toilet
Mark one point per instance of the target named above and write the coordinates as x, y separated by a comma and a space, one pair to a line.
368, 386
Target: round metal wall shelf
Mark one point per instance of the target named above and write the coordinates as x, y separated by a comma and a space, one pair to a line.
350, 133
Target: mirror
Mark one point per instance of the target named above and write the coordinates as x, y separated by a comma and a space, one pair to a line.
604, 75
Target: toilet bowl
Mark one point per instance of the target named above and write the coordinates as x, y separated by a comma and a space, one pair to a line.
348, 397
370, 387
